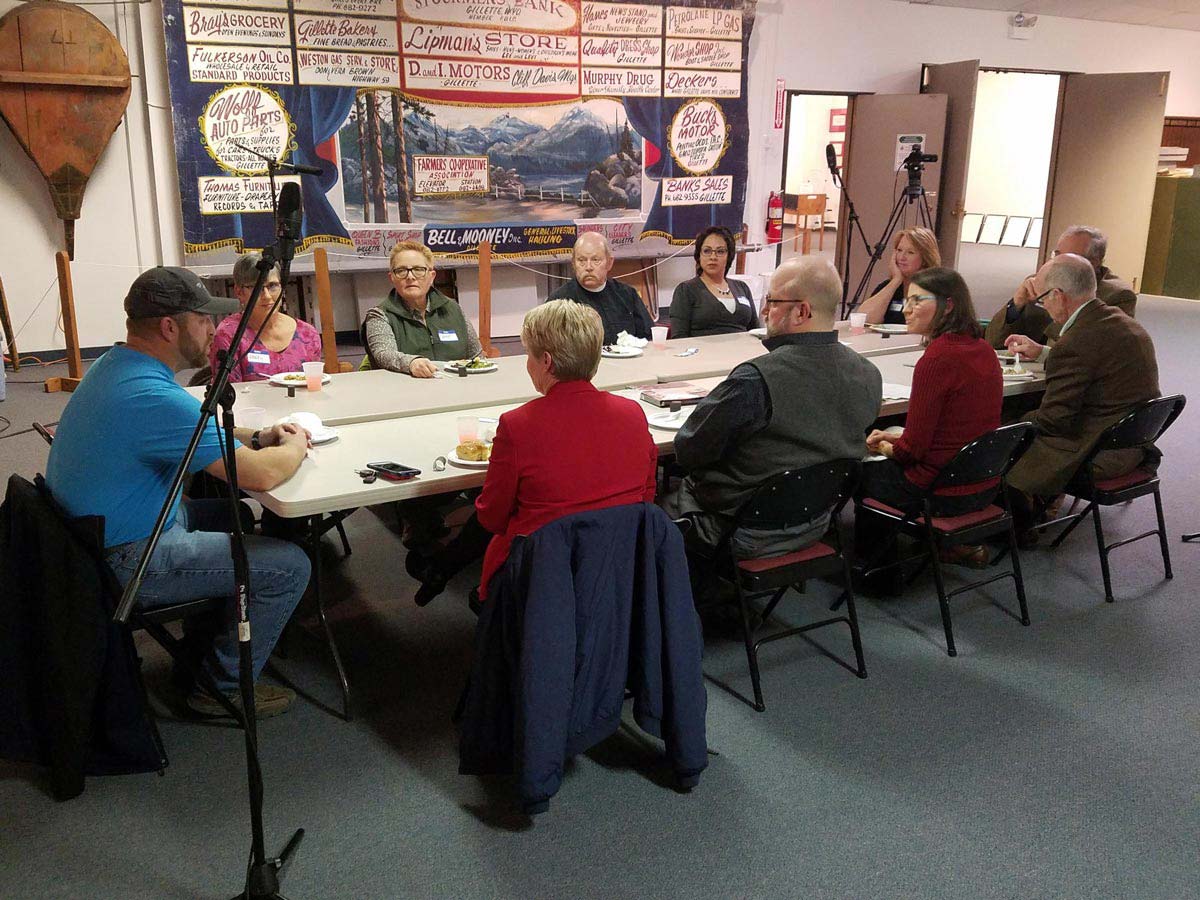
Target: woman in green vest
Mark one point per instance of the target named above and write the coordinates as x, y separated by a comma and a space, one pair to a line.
416, 325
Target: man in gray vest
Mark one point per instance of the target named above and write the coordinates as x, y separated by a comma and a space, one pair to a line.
808, 400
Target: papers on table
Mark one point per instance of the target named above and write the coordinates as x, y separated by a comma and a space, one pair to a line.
896, 391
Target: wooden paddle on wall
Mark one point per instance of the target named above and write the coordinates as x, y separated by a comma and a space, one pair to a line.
64, 86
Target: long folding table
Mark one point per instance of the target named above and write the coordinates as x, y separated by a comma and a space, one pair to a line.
385, 416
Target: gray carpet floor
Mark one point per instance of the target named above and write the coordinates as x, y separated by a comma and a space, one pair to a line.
1058, 760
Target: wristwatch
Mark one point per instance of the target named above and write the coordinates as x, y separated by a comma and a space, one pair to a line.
254, 442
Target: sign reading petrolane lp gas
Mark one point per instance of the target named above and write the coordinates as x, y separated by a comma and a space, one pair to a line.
509, 238
441, 176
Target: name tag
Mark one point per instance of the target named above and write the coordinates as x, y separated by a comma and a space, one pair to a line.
745, 301
447, 335
261, 357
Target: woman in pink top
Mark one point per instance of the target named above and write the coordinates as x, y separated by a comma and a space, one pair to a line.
272, 343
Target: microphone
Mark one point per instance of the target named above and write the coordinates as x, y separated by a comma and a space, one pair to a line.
289, 219
831, 159
301, 169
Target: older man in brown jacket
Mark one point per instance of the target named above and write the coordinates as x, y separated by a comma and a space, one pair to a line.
1022, 315
1102, 366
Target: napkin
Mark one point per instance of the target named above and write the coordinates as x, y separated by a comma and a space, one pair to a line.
310, 422
625, 339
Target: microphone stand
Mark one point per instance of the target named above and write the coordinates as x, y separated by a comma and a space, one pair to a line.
851, 225
262, 874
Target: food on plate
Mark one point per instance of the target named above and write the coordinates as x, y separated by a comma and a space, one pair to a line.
477, 363
295, 378
476, 451
1014, 370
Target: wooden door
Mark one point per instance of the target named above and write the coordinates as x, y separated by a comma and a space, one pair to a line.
959, 81
872, 179
1105, 153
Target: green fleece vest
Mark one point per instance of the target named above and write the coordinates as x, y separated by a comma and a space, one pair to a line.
441, 337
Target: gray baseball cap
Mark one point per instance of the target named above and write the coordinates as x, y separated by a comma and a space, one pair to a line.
168, 291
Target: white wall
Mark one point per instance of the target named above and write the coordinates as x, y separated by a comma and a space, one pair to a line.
131, 208
808, 135
1011, 143
879, 45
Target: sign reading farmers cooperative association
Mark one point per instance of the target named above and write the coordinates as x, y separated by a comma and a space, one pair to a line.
521, 122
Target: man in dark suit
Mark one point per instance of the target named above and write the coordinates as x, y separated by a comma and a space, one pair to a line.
619, 306
1023, 316
1103, 364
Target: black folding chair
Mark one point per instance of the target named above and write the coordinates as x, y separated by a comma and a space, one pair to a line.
988, 457
789, 499
1142, 426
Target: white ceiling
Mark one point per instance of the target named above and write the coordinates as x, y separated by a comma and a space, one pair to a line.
1162, 13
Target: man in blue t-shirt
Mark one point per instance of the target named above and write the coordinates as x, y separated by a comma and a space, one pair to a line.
118, 443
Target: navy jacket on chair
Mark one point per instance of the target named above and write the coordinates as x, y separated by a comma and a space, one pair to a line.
71, 696
585, 607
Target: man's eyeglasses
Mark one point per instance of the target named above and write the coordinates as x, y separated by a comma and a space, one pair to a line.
714, 251
767, 301
414, 271
1037, 301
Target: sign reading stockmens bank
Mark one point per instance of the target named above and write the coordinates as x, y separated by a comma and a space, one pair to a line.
518, 122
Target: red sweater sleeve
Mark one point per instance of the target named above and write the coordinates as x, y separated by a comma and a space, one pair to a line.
926, 404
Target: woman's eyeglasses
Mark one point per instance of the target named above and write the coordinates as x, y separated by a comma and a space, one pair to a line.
915, 300
414, 271
714, 251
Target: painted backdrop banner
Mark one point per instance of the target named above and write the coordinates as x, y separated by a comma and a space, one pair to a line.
529, 121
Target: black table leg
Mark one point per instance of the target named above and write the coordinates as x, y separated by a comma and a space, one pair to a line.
314, 546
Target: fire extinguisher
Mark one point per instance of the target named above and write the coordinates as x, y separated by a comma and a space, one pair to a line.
775, 218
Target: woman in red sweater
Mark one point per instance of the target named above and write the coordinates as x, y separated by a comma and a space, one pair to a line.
956, 394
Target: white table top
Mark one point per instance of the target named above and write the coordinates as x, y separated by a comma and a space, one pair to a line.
327, 479
353, 397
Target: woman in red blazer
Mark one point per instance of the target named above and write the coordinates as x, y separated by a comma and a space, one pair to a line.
573, 449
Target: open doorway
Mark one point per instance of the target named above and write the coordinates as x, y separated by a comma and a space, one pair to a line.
1012, 141
811, 201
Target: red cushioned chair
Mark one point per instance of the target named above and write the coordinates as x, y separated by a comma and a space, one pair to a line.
985, 459
789, 499
1144, 425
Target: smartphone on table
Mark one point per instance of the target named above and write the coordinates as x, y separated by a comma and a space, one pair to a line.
393, 471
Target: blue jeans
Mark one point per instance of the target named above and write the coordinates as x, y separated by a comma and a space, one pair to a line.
193, 561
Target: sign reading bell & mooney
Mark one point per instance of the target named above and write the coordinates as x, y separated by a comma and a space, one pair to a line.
525, 122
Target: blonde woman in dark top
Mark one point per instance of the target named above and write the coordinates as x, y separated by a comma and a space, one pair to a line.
711, 303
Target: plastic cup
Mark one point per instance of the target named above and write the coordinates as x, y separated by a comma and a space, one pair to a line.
468, 428
313, 372
249, 417
858, 323
658, 336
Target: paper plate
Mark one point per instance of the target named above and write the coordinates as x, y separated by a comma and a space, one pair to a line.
452, 368
613, 351
455, 460
886, 328
758, 332
287, 379
667, 421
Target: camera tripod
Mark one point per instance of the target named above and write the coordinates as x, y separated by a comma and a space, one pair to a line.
914, 193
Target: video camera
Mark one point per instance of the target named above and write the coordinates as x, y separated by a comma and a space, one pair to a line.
915, 164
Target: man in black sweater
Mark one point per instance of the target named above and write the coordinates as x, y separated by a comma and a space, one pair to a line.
619, 306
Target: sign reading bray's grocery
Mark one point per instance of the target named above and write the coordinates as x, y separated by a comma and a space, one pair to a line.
523, 122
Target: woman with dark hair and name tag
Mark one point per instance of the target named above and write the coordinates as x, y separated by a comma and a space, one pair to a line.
956, 394
710, 303
913, 251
